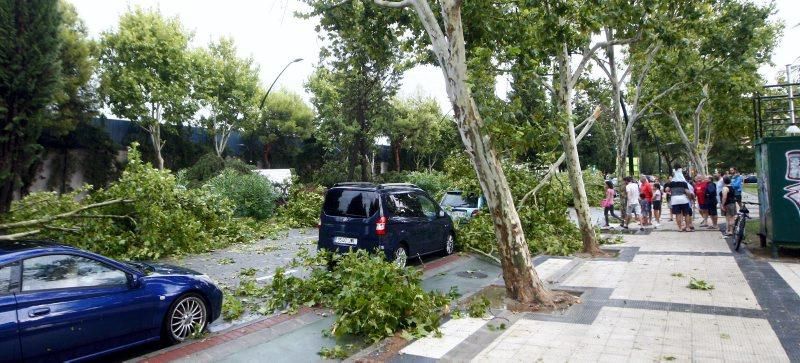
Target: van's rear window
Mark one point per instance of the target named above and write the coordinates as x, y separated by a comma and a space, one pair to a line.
350, 203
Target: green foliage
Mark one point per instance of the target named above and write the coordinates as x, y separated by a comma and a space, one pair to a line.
477, 307
336, 352
435, 183
547, 226
696, 284
209, 166
157, 218
232, 307
370, 296
303, 207
252, 195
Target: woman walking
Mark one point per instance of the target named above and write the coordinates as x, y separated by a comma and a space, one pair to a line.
608, 203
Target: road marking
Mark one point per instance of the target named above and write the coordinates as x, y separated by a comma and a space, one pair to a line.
453, 333
262, 278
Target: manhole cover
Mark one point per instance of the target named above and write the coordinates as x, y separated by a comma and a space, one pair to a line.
472, 274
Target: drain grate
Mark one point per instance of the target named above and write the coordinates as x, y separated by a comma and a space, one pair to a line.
472, 274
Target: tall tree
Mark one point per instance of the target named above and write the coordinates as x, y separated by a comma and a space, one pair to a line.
448, 47
416, 124
146, 73
30, 78
365, 65
227, 86
286, 116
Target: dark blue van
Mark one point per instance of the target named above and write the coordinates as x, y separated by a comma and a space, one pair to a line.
401, 220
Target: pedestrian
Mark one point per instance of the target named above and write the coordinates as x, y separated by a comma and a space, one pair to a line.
681, 200
646, 200
736, 184
718, 175
657, 196
632, 193
728, 204
608, 204
711, 202
669, 197
700, 186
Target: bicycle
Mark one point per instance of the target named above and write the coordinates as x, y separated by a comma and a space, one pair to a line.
739, 224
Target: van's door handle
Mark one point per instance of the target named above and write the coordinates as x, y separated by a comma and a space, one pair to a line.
38, 312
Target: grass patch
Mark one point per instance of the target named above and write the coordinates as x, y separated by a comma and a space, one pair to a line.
750, 188
751, 229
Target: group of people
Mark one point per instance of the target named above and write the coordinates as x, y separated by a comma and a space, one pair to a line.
705, 193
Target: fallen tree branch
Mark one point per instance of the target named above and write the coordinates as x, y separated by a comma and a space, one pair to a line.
495, 259
588, 123
41, 221
14, 236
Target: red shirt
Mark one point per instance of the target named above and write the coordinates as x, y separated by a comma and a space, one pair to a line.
700, 192
647, 190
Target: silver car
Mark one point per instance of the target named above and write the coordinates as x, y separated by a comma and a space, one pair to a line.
462, 207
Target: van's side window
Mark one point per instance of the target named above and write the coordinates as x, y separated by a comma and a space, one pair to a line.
428, 206
7, 277
405, 205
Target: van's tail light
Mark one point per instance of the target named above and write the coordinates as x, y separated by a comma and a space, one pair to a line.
319, 223
475, 212
380, 227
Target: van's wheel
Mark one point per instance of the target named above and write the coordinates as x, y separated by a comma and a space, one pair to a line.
400, 256
187, 316
449, 244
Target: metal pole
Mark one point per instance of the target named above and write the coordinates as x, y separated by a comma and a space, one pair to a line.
264, 99
791, 96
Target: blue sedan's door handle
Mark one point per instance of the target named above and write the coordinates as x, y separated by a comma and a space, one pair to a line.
38, 312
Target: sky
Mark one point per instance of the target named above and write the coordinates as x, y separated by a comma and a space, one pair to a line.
268, 31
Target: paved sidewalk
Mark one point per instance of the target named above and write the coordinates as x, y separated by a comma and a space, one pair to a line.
637, 307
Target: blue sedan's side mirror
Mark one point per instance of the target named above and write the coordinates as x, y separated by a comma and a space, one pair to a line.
135, 282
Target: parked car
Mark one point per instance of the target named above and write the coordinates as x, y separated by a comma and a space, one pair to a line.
399, 220
60, 303
751, 179
461, 207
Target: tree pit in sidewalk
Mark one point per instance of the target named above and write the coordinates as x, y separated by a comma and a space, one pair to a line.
498, 300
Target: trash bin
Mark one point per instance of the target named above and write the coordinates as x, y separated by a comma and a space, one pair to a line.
778, 167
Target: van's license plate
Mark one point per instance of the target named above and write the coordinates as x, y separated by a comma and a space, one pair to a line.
347, 241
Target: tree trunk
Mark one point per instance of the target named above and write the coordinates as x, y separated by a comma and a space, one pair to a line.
155, 138
396, 152
267, 154
521, 281
570, 145
352, 161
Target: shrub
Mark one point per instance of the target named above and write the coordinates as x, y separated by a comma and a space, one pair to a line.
209, 166
370, 296
251, 194
303, 207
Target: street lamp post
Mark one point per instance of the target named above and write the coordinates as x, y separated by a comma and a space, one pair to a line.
268, 146
264, 99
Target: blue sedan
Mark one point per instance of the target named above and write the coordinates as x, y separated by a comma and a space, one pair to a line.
61, 303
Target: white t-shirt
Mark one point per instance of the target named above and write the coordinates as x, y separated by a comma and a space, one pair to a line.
632, 190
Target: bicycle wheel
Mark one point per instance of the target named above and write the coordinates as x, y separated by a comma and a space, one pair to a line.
738, 232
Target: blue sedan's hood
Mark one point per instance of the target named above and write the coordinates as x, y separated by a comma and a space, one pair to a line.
163, 268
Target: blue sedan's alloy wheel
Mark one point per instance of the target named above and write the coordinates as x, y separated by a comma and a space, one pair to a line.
400, 256
187, 317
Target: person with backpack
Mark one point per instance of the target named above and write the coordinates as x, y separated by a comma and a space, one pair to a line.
608, 203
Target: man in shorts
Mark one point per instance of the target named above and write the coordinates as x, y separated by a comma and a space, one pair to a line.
633, 208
